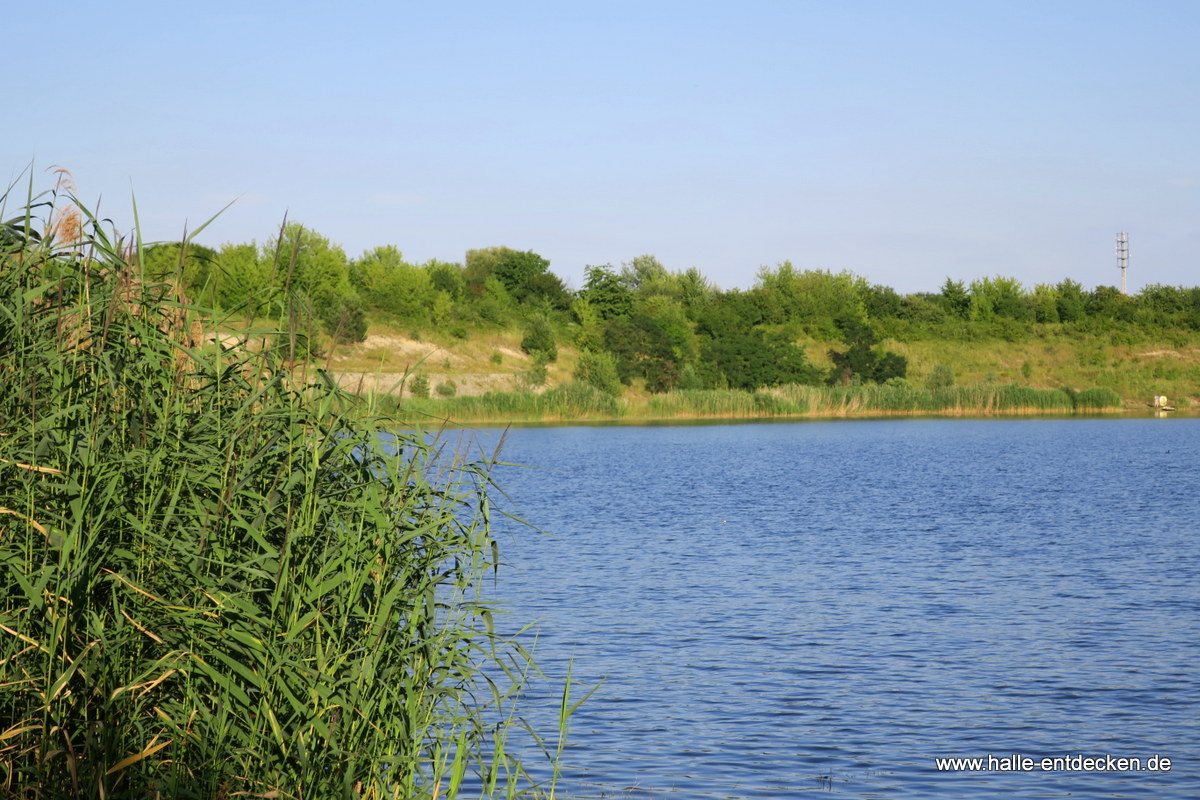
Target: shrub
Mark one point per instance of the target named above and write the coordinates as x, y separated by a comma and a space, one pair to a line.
539, 339
940, 377
598, 370
419, 386
535, 376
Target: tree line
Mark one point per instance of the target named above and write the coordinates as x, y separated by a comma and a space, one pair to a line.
640, 321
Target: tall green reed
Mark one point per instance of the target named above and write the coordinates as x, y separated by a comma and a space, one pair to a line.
571, 401
216, 581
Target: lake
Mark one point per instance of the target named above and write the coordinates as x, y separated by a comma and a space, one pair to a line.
783, 609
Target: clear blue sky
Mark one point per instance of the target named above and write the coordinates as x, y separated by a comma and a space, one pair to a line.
905, 141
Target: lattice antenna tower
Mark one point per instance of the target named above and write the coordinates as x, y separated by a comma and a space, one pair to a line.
1123, 257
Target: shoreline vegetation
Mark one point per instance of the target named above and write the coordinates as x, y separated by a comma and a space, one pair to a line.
580, 403
219, 580
669, 343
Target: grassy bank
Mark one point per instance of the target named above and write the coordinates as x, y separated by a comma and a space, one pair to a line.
215, 582
490, 379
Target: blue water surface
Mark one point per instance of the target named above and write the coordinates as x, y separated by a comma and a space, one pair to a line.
782, 609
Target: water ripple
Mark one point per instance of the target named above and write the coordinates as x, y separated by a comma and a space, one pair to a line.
778, 610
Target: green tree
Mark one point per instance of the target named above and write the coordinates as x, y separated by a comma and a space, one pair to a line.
695, 292
999, 297
955, 298
751, 359
1070, 300
641, 348
590, 334
493, 303
315, 277
669, 315
1108, 302
605, 292
243, 278
523, 274
392, 285
311, 263
446, 277
645, 275
812, 299
863, 361
1045, 303
189, 266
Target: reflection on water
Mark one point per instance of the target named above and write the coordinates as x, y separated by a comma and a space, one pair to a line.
783, 609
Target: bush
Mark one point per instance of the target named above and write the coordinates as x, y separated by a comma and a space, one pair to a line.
539, 339
940, 377
535, 376
446, 389
598, 370
419, 386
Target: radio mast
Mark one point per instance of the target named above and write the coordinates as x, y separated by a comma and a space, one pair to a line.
1123, 257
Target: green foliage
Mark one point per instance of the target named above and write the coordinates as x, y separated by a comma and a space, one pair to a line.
1070, 300
187, 264
689, 378
999, 297
670, 316
1108, 303
393, 286
645, 275
753, 359
446, 389
1045, 303
1097, 399
310, 263
218, 582
813, 299
524, 275
598, 370
590, 334
940, 377
695, 292
418, 385
606, 293
539, 340
882, 302
729, 313
705, 403
641, 348
493, 302
863, 361
446, 277
955, 298
244, 281
345, 318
